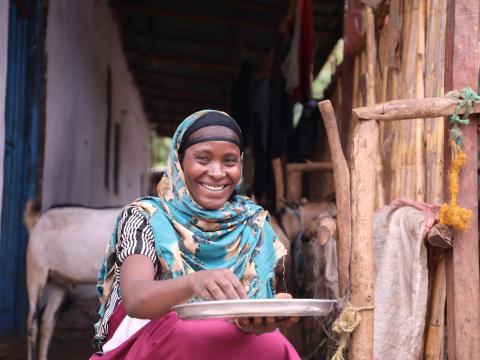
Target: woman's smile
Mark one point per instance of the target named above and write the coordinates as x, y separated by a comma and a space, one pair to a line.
214, 188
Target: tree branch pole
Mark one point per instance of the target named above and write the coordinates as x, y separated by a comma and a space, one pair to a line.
363, 169
341, 176
411, 109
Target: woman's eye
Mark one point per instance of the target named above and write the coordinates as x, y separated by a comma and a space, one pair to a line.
231, 161
202, 159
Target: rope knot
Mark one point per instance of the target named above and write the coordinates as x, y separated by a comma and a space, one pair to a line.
346, 323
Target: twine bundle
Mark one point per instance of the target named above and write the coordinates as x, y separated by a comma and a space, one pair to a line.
346, 323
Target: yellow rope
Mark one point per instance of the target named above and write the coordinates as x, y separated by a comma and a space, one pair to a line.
451, 214
346, 323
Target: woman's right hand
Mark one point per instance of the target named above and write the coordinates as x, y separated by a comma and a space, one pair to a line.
217, 285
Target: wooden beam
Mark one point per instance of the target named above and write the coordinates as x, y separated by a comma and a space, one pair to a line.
163, 93
169, 37
189, 15
411, 109
153, 78
462, 263
180, 61
310, 167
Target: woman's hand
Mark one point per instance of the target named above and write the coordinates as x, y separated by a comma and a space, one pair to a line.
260, 325
217, 285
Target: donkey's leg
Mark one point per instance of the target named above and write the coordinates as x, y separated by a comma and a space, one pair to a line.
36, 281
55, 297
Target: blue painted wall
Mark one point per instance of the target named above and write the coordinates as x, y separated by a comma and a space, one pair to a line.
23, 113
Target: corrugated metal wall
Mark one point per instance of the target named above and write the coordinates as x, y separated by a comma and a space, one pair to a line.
23, 111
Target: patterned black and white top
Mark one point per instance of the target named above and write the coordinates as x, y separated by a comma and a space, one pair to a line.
135, 237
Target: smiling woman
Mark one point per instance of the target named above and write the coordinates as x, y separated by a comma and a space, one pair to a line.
198, 240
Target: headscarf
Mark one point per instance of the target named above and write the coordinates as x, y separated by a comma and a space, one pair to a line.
189, 238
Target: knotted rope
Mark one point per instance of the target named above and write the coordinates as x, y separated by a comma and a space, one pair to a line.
346, 323
451, 214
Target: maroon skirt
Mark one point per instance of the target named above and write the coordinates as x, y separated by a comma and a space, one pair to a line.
173, 338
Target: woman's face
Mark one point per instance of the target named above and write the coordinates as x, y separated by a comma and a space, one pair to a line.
212, 169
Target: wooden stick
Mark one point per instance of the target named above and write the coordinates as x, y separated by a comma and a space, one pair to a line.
411, 109
279, 184
363, 160
341, 176
294, 186
420, 184
371, 99
435, 330
310, 167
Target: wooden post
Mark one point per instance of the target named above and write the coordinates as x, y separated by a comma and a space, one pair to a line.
341, 176
294, 186
434, 68
363, 164
279, 184
462, 267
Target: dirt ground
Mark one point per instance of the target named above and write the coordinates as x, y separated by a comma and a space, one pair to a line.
73, 330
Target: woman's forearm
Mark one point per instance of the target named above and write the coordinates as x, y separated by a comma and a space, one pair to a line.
150, 299
146, 298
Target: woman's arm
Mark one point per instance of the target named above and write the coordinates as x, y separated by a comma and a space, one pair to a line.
147, 298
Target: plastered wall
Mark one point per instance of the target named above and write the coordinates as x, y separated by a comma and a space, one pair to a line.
82, 42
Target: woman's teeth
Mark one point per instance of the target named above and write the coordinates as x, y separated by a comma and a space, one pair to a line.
214, 188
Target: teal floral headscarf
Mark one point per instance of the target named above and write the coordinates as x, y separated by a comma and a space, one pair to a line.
189, 238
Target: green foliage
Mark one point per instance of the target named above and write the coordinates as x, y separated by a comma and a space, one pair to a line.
324, 77
159, 147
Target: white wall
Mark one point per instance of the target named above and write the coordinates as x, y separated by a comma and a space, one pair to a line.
82, 40
3, 83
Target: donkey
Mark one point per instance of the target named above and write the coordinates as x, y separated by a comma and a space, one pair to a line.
65, 248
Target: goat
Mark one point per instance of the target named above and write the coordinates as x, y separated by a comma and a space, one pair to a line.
65, 248
294, 219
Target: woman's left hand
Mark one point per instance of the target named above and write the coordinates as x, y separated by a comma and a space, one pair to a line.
260, 325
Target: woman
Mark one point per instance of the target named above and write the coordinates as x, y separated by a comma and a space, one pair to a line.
198, 240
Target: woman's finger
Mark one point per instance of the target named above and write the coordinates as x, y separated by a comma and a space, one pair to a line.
205, 295
237, 285
228, 289
244, 324
283, 296
270, 324
258, 325
215, 292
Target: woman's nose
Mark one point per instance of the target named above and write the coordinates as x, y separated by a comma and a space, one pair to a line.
216, 170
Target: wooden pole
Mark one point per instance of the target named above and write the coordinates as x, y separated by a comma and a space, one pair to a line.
411, 109
406, 186
363, 161
294, 186
434, 69
371, 99
279, 183
420, 184
462, 266
341, 176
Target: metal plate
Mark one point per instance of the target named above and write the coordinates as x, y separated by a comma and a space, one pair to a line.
254, 308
